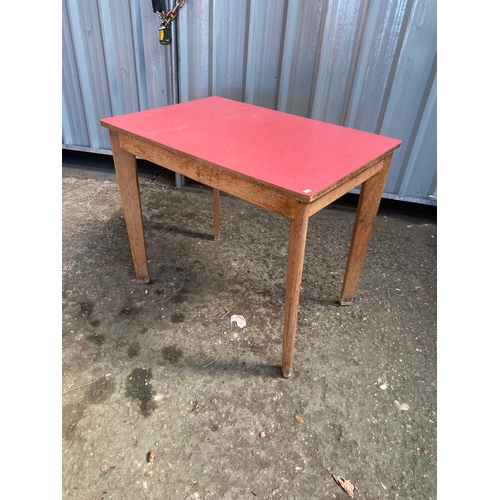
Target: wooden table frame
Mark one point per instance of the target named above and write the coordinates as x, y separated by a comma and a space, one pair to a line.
296, 207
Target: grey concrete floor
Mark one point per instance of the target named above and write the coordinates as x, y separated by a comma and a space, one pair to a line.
164, 398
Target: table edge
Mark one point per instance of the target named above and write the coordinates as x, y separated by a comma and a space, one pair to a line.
258, 182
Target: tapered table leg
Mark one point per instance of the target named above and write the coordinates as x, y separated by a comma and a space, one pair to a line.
296, 251
216, 214
128, 185
369, 201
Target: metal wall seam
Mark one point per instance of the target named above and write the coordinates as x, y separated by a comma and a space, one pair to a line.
83, 73
300, 55
111, 61
354, 62
229, 49
74, 122
264, 53
182, 26
136, 10
377, 54
337, 50
195, 47
89, 50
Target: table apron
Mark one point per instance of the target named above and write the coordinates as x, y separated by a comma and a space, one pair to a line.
332, 195
209, 174
264, 196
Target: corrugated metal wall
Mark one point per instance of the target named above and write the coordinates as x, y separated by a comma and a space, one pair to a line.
366, 64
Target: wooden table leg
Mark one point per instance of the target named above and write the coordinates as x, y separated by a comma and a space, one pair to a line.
216, 214
296, 251
128, 185
369, 201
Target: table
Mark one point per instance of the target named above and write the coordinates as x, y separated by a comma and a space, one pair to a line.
290, 165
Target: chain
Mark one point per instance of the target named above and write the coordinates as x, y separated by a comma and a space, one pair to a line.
171, 14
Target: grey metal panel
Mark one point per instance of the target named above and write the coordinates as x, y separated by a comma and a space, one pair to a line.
195, 72
378, 51
74, 123
89, 54
416, 69
229, 62
300, 55
367, 64
419, 179
266, 28
155, 65
117, 34
338, 47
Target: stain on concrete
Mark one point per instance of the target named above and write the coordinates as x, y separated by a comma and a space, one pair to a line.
171, 353
100, 390
86, 309
180, 297
71, 415
134, 350
130, 311
177, 318
97, 339
138, 387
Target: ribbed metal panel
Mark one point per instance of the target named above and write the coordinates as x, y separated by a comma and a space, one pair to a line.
366, 64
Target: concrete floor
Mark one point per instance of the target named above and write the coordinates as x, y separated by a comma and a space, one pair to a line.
164, 398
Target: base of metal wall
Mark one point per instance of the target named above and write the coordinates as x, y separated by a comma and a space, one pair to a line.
86, 149
179, 179
431, 200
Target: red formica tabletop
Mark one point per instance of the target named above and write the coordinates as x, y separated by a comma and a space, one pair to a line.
297, 154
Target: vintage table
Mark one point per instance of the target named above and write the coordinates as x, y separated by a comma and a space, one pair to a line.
287, 164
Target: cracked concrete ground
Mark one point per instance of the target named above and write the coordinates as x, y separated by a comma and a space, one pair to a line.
164, 398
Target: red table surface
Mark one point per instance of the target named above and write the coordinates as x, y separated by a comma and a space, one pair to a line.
298, 154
